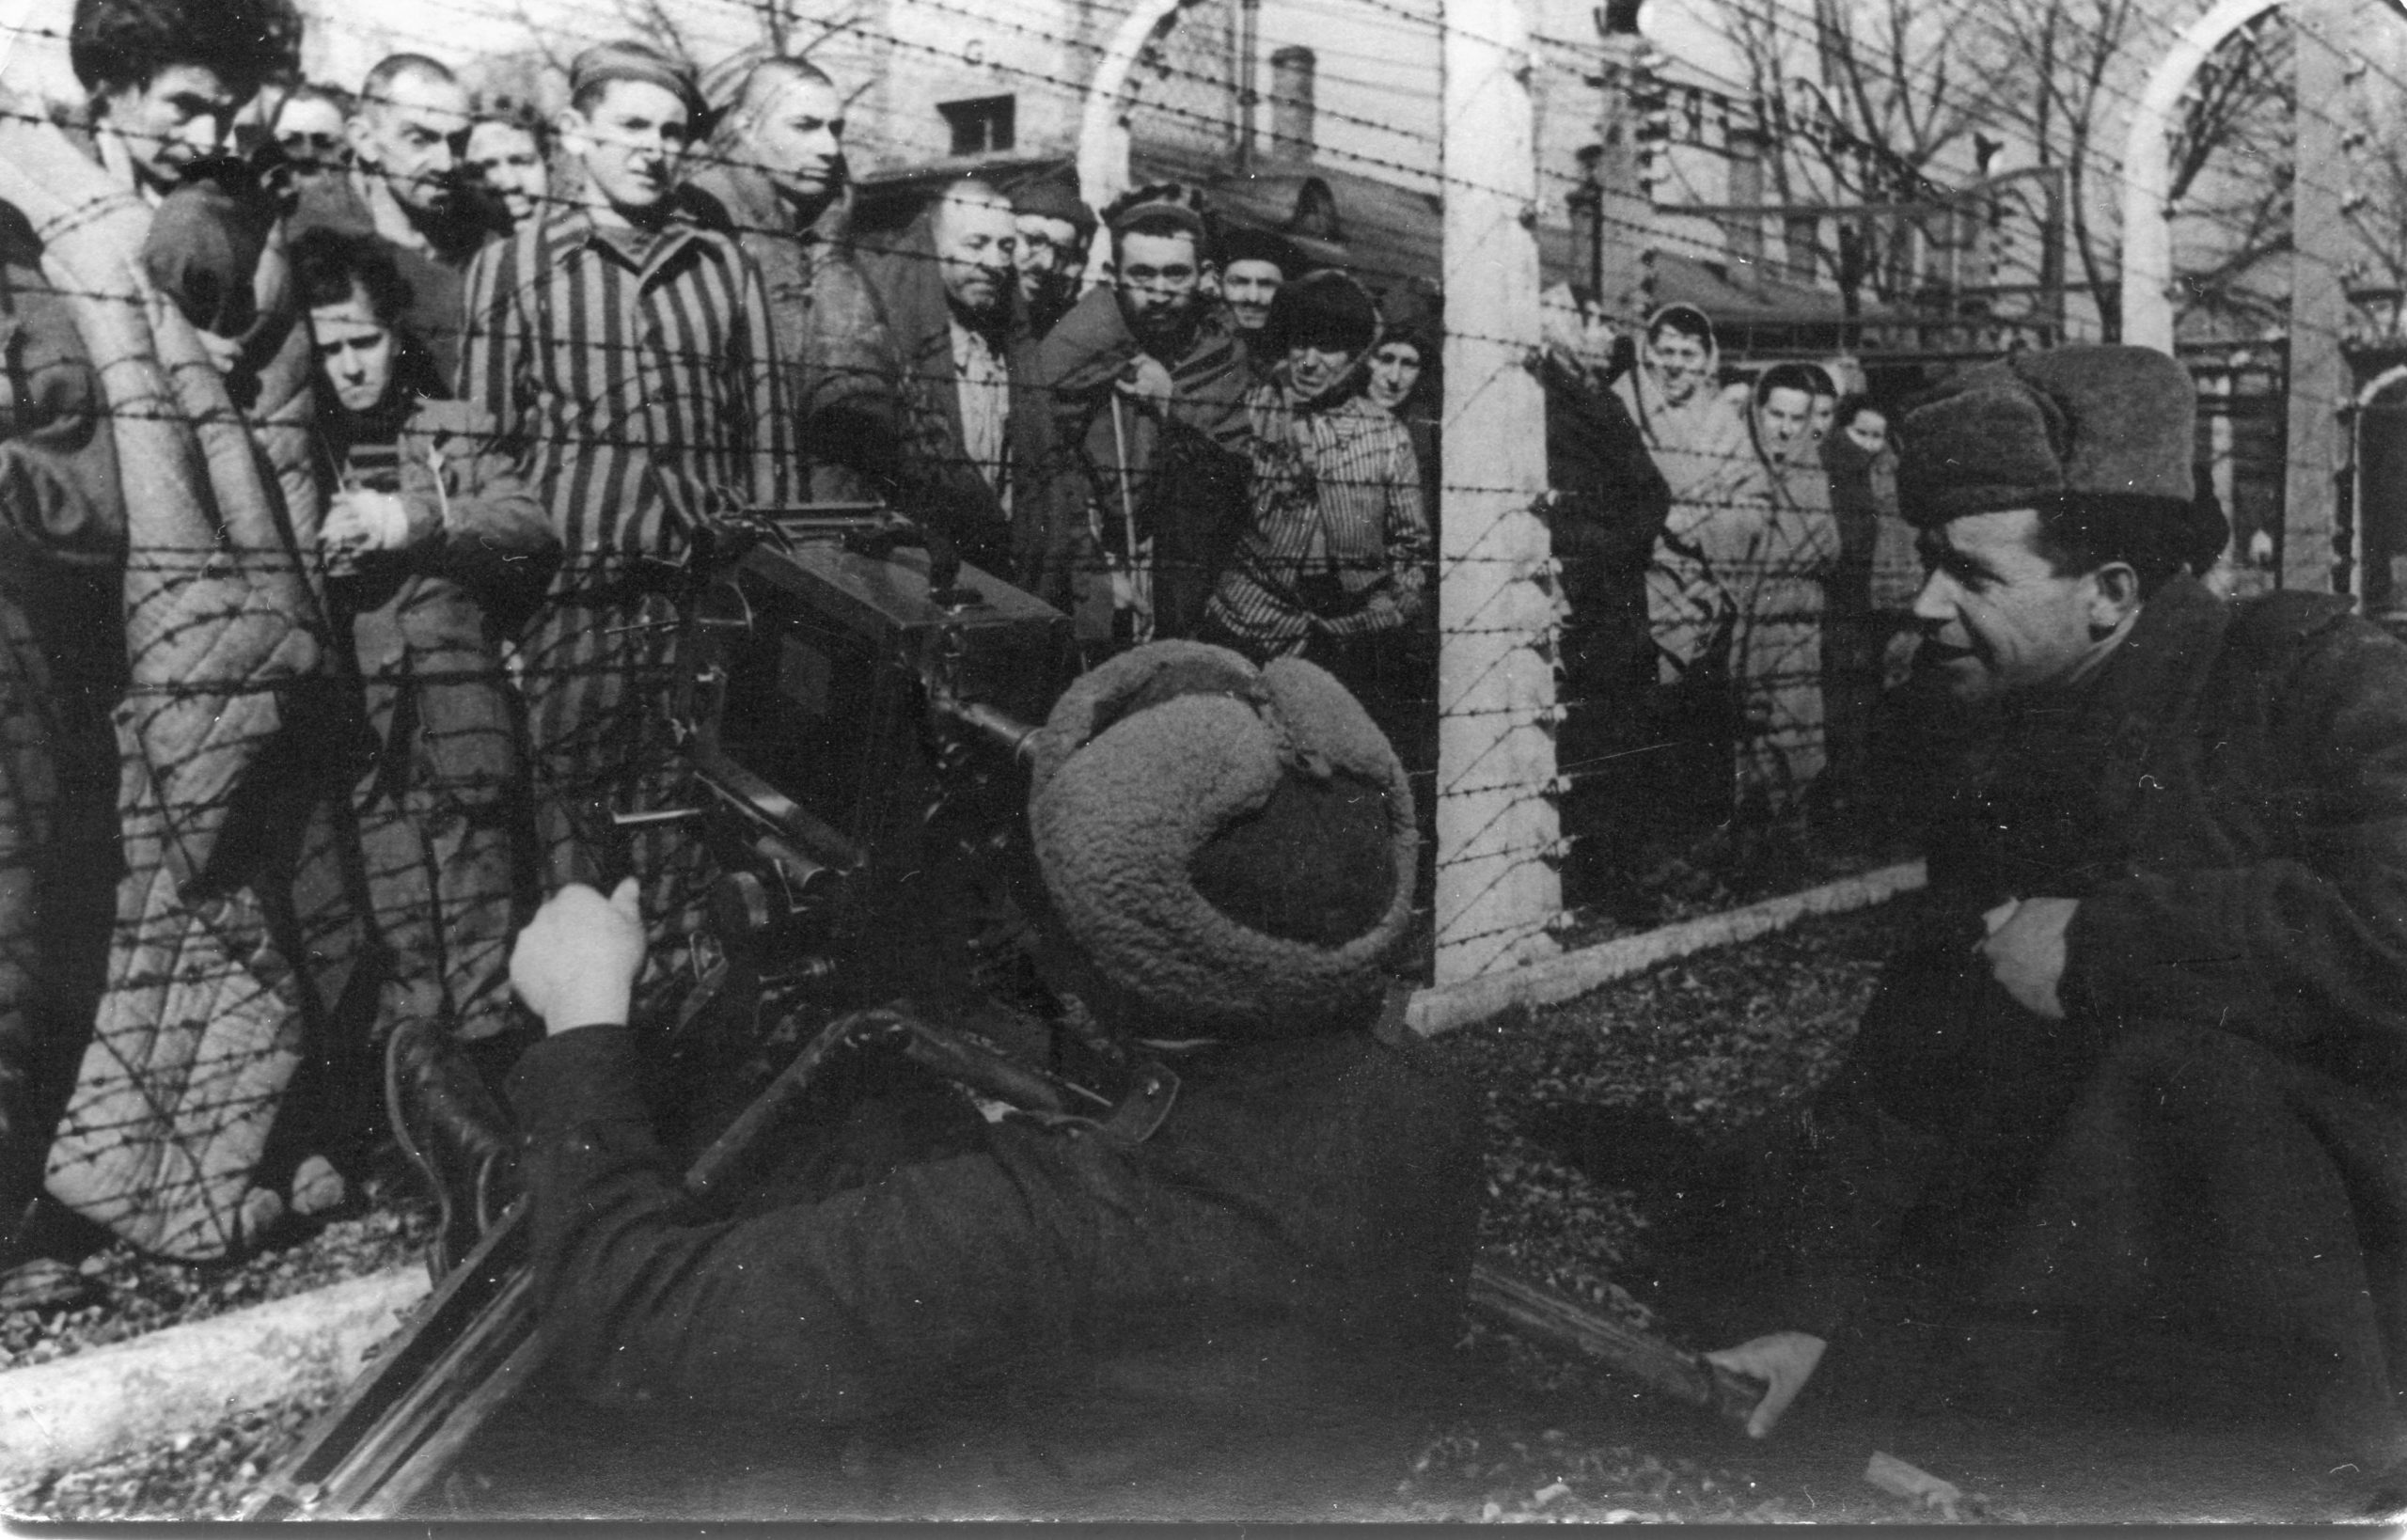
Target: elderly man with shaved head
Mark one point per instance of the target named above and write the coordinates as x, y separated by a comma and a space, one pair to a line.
407, 189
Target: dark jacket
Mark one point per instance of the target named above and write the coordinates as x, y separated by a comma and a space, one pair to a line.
844, 374
436, 800
1180, 477
1608, 507
2212, 1145
1317, 1193
936, 480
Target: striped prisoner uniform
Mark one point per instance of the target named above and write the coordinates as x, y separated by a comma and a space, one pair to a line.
637, 382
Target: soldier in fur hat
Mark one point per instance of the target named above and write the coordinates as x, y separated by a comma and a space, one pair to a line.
1227, 855
2130, 1115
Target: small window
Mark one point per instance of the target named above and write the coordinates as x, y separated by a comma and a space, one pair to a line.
982, 126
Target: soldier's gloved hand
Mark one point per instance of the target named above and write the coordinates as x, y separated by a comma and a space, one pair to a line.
1784, 1360
576, 960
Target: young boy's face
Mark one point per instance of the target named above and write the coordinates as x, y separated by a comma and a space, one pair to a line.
631, 142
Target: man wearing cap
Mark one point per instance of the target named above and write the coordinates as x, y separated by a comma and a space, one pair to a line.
778, 179
626, 353
2135, 1108
1148, 384
1055, 226
1002, 1315
1254, 264
1331, 566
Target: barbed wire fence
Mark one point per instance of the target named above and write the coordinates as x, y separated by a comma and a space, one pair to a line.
1603, 729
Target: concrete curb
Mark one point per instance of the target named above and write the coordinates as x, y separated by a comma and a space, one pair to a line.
1559, 978
75, 1411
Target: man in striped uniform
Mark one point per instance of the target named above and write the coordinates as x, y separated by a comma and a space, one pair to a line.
626, 353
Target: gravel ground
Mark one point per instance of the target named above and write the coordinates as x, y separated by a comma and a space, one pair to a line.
127, 1295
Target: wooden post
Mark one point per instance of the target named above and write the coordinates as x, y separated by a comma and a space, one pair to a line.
2319, 376
1497, 831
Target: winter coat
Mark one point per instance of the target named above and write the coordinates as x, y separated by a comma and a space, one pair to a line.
936, 482
843, 375
1609, 509
1305, 1214
62, 669
1177, 477
2211, 1147
436, 799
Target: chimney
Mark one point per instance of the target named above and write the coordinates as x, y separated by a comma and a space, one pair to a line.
1291, 103
1744, 232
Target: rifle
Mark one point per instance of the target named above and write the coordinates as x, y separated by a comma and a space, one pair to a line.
1554, 1319
841, 704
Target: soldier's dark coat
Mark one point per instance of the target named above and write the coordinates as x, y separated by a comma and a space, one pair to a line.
2211, 1148
1301, 1222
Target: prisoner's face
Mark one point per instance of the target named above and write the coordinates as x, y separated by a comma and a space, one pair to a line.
505, 160
1317, 371
631, 143
799, 140
1998, 619
1395, 370
1050, 256
1249, 287
1680, 364
184, 113
309, 130
1817, 419
1782, 419
355, 351
976, 243
1868, 430
412, 138
1158, 277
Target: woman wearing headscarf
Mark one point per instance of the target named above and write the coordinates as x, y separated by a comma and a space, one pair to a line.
1791, 555
1700, 445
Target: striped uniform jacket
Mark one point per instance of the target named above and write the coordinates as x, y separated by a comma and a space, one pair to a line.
1338, 532
638, 396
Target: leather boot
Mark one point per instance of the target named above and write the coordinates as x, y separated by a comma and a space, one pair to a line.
455, 1131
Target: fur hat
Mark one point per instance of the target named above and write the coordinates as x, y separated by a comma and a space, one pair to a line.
1241, 244
1055, 197
1326, 308
2099, 421
1232, 848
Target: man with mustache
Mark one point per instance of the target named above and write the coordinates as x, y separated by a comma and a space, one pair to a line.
1147, 383
973, 428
